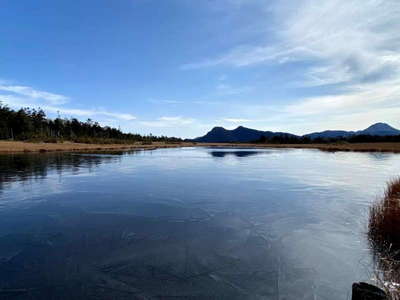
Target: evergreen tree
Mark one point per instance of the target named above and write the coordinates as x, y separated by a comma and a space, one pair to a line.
32, 124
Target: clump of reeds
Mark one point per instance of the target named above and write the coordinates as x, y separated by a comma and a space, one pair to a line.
384, 237
384, 219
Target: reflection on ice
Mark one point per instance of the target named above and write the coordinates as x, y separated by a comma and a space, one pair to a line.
180, 223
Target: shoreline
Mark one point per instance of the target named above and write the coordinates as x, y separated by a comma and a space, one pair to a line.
15, 147
11, 147
356, 147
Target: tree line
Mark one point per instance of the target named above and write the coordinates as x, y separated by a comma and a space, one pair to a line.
290, 139
33, 124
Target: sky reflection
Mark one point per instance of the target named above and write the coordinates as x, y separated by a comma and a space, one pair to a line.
245, 225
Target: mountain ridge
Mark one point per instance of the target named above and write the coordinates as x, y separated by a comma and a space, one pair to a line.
242, 134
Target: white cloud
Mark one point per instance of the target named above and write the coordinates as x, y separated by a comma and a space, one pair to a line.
345, 40
224, 89
236, 120
27, 91
358, 107
165, 101
242, 56
349, 39
116, 115
168, 122
361, 106
351, 45
171, 119
18, 102
206, 102
25, 96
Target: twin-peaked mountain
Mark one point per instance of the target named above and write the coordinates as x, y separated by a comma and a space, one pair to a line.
243, 134
240, 134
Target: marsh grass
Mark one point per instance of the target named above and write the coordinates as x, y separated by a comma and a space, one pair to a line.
384, 237
384, 221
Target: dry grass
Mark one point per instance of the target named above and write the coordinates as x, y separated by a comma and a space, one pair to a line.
360, 147
384, 236
15, 147
384, 222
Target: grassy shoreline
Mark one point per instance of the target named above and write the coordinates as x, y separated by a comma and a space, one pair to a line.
18, 147
9, 147
357, 147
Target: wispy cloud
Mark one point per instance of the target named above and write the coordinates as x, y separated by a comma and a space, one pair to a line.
30, 92
243, 56
224, 89
236, 120
349, 45
361, 98
187, 102
17, 101
207, 102
345, 40
168, 121
165, 101
357, 107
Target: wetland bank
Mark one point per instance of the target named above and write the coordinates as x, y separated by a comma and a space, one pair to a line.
188, 223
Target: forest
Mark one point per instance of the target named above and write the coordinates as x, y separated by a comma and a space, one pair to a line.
29, 124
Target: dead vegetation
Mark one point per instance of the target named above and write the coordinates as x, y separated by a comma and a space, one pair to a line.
17, 146
26, 147
384, 237
332, 147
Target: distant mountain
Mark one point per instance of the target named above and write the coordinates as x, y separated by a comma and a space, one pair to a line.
243, 134
238, 135
381, 129
378, 129
329, 134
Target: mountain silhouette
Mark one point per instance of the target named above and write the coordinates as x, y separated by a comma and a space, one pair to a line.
381, 129
378, 129
242, 134
238, 135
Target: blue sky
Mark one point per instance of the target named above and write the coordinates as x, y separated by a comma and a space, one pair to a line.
180, 67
